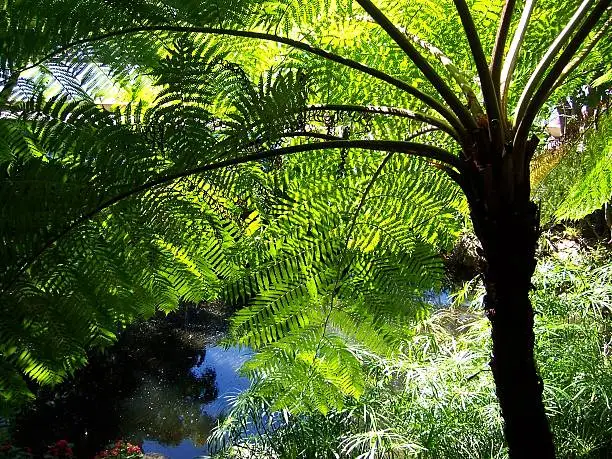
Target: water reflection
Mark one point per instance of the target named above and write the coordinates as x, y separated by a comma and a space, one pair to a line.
156, 386
224, 364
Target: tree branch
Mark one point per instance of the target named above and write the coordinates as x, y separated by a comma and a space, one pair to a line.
501, 38
395, 146
520, 139
544, 63
427, 99
422, 64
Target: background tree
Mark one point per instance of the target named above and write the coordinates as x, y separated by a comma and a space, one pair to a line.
483, 111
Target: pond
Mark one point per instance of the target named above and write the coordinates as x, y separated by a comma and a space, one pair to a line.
162, 385
225, 364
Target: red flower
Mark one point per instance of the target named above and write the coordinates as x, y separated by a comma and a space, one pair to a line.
133, 449
61, 444
68, 451
28, 450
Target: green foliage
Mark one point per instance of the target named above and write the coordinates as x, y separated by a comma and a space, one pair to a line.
111, 214
106, 226
436, 399
581, 182
74, 266
317, 306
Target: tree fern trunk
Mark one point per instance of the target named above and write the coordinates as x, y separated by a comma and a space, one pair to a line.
509, 238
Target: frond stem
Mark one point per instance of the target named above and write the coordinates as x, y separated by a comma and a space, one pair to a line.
579, 58
311, 134
544, 63
501, 38
482, 67
422, 64
389, 111
543, 91
378, 74
513, 53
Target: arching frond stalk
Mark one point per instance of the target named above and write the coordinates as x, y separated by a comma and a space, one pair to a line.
497, 56
492, 104
422, 64
412, 148
308, 134
584, 52
461, 79
513, 53
378, 74
546, 60
538, 99
389, 111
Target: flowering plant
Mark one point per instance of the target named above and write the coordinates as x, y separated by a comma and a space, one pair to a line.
61, 448
121, 450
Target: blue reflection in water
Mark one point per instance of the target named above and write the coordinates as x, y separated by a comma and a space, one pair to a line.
225, 363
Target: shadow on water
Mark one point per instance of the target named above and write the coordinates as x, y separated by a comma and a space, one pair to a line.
160, 385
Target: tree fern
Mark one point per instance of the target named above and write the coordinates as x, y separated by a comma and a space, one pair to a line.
480, 138
66, 162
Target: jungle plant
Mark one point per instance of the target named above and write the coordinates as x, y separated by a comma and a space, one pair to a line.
198, 158
435, 398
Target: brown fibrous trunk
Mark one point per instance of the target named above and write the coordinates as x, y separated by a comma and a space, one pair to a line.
509, 237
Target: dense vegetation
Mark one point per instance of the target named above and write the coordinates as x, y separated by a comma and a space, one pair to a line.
435, 398
164, 151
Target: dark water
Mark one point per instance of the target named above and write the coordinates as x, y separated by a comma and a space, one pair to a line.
159, 387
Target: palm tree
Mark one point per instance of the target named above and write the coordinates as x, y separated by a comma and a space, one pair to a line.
481, 110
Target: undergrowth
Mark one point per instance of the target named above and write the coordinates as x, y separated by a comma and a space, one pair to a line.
436, 398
